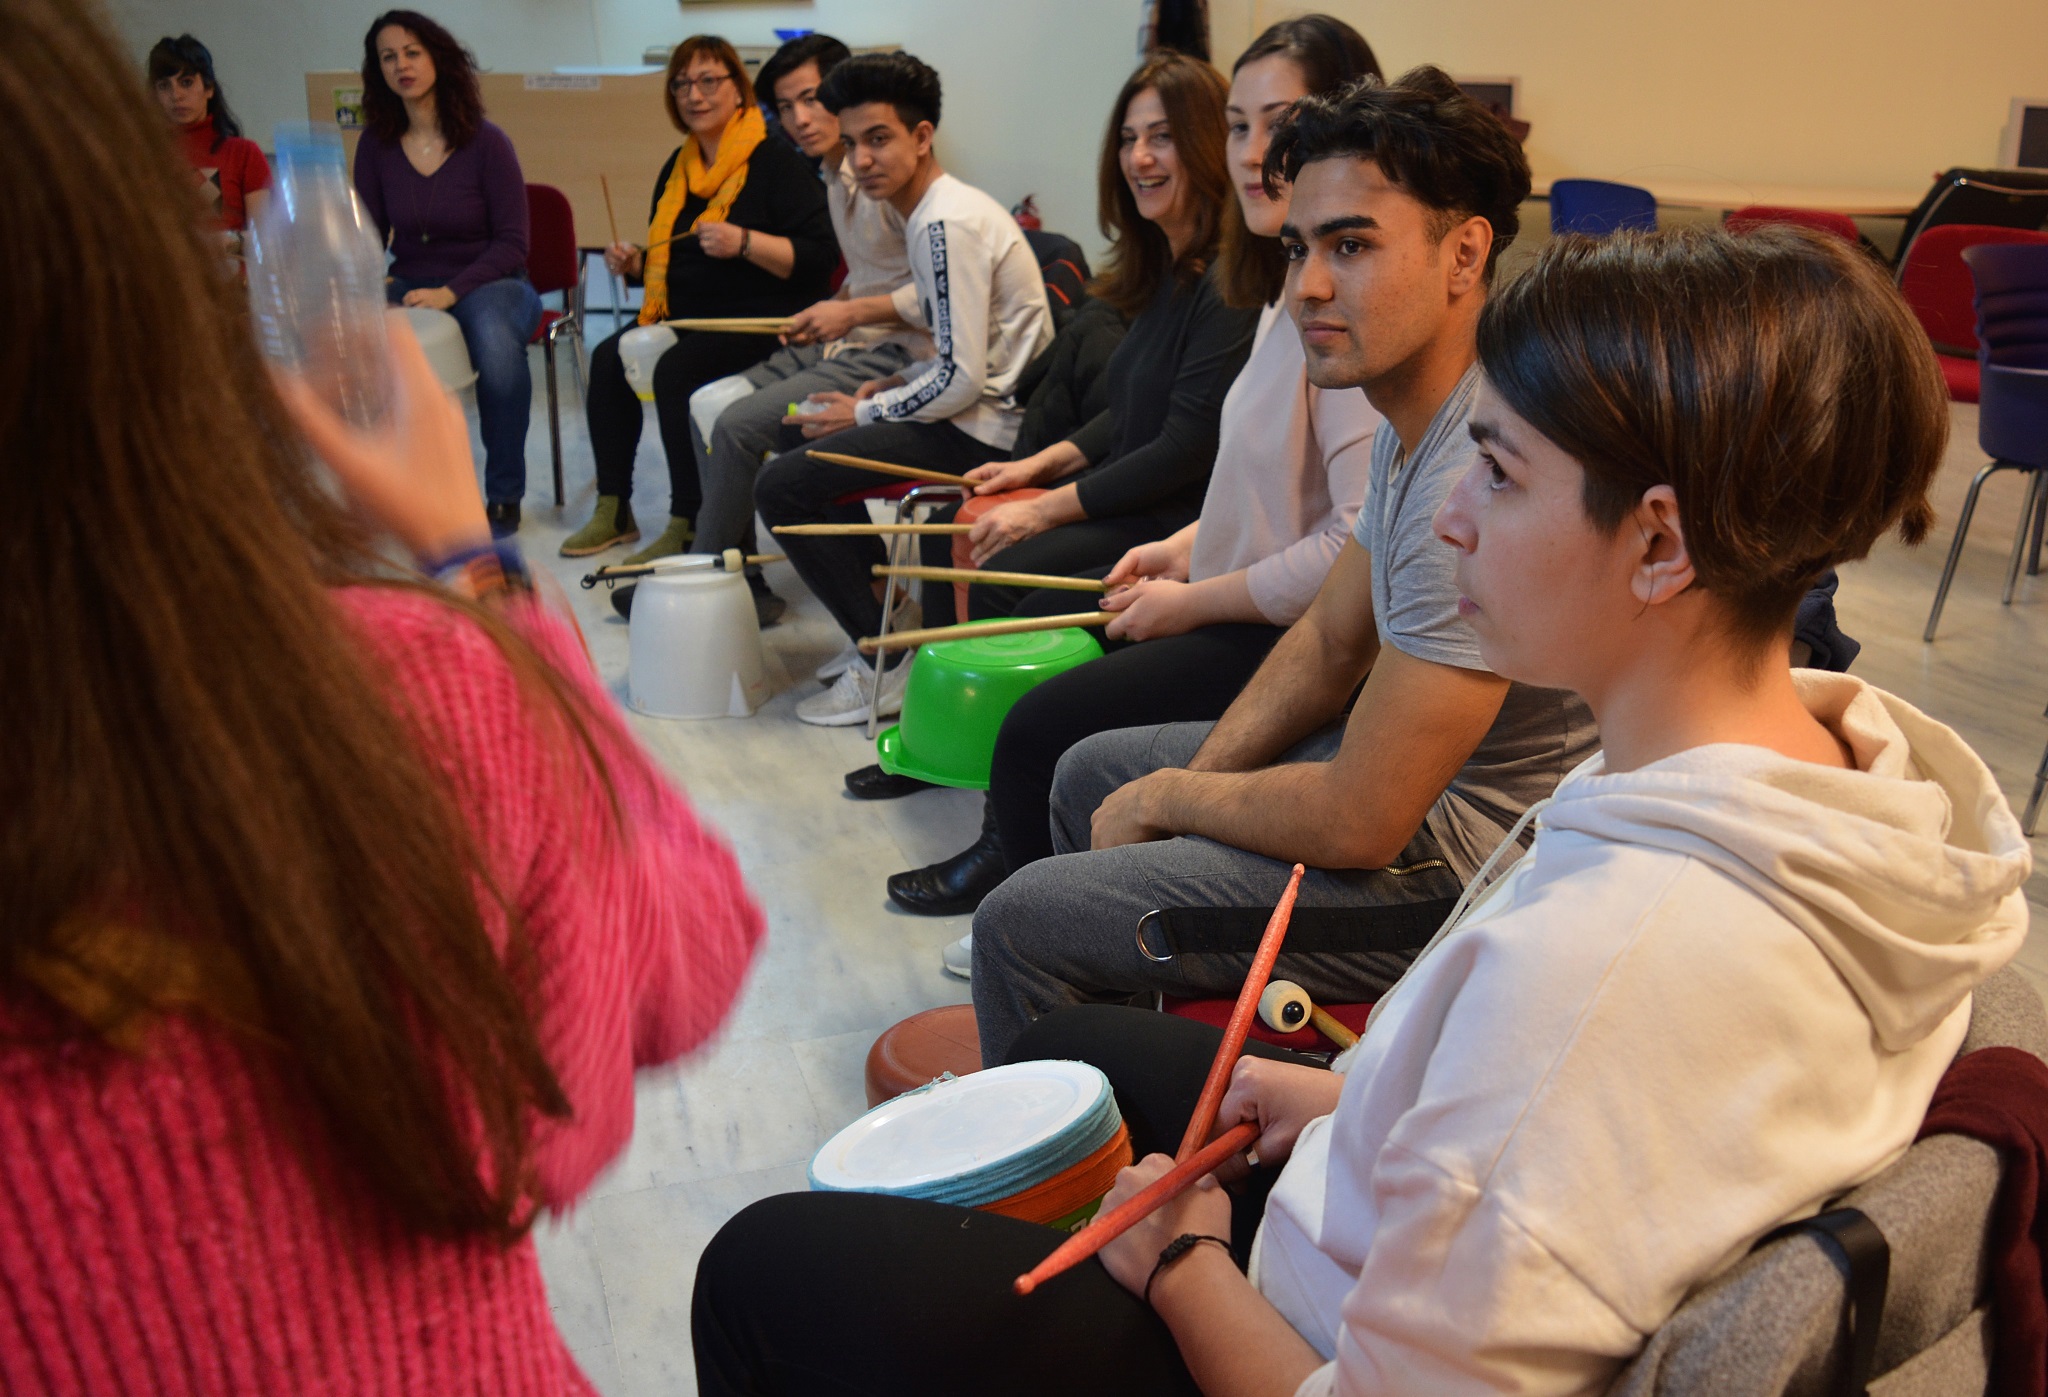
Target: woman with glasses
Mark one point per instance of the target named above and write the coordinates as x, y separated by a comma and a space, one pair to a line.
738, 227
445, 189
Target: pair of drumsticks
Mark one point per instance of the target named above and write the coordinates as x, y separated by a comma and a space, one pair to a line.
1194, 1159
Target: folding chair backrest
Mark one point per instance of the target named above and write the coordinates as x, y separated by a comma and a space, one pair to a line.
1772, 1323
1990, 198
551, 258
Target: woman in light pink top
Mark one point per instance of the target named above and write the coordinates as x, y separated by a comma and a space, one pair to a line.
1208, 602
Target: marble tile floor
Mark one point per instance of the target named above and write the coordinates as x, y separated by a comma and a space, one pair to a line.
740, 1119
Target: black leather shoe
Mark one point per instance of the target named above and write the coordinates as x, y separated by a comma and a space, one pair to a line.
622, 599
873, 783
958, 885
503, 517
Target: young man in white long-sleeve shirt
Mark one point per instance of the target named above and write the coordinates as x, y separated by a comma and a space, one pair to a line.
975, 289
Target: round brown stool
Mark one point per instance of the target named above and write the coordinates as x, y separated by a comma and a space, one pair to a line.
922, 1047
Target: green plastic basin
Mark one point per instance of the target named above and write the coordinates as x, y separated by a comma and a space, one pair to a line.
958, 695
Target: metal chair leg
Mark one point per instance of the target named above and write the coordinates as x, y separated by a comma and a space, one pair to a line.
1955, 549
2040, 516
547, 354
906, 509
2033, 811
2019, 537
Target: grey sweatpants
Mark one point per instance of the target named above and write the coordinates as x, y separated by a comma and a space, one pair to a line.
752, 427
1063, 930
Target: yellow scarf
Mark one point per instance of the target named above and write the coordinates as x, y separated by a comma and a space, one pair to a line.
720, 184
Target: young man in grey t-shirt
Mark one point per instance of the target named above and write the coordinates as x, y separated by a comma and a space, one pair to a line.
1392, 245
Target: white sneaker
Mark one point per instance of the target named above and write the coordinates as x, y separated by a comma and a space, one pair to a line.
836, 666
846, 702
959, 958
909, 617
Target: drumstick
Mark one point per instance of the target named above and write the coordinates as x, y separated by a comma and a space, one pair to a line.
731, 325
1109, 1226
867, 530
609, 216
1326, 1024
901, 640
884, 468
1051, 580
1204, 1118
671, 238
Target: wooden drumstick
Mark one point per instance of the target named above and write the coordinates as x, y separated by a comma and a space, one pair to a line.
884, 468
1204, 1118
731, 325
1109, 1226
1050, 580
728, 561
974, 630
867, 530
1326, 1024
609, 216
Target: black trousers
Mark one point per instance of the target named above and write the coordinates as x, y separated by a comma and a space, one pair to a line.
1084, 548
615, 413
1188, 678
794, 489
842, 1293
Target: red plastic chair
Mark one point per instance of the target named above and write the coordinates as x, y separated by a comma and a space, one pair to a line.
554, 264
1937, 285
1763, 215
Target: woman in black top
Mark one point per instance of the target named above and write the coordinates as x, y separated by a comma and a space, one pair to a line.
1138, 471
738, 226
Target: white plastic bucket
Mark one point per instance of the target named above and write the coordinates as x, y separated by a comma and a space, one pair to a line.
440, 336
695, 647
640, 348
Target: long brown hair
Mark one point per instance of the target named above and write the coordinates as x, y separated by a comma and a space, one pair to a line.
704, 46
1329, 54
202, 759
1140, 258
1775, 380
458, 98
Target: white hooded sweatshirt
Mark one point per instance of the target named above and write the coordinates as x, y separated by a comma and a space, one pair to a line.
1715, 993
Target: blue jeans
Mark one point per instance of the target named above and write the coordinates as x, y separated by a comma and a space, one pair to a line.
498, 320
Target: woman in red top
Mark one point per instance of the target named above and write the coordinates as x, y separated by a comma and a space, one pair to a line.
339, 903
233, 174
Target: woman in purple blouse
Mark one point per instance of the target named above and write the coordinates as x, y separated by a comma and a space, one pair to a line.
445, 190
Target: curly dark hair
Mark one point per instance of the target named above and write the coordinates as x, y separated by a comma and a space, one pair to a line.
1427, 137
458, 103
173, 58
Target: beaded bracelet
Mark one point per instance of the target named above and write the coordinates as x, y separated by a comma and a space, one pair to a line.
480, 573
1174, 1251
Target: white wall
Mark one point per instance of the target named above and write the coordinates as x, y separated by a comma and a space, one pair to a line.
1028, 85
1871, 93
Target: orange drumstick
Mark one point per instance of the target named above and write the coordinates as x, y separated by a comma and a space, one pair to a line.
1204, 1118
1109, 1226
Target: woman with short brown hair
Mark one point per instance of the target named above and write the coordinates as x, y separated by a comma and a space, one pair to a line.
1717, 990
339, 905
737, 226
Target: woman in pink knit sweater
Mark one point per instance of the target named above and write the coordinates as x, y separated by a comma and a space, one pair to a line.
339, 906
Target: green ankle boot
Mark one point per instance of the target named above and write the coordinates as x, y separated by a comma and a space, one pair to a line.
676, 538
611, 524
